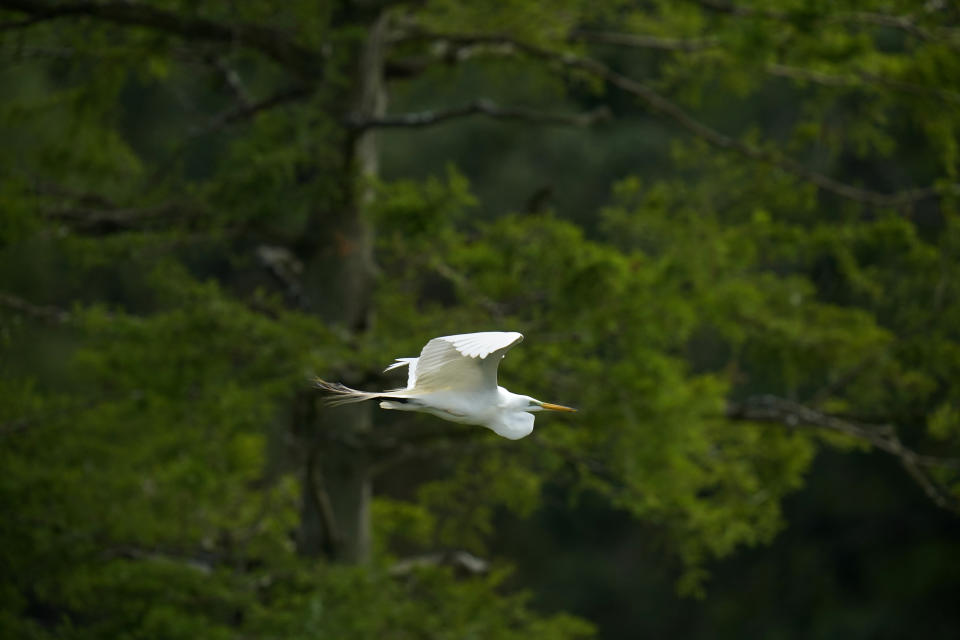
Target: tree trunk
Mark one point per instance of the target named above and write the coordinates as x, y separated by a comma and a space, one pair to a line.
338, 279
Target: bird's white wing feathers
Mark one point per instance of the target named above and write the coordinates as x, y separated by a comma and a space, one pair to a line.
411, 364
480, 345
465, 362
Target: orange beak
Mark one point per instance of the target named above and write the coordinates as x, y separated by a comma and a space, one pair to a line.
556, 407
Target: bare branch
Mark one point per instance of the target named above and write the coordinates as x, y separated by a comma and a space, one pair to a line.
858, 78
286, 268
83, 198
903, 23
25, 423
640, 41
227, 117
494, 308
320, 499
482, 107
245, 111
809, 75
274, 44
768, 408
231, 79
834, 386
106, 221
735, 10
665, 107
52, 315
202, 561
939, 495
668, 109
430, 446
59, 410
22, 24
912, 87
95, 214
462, 561
21, 54
884, 437
590, 465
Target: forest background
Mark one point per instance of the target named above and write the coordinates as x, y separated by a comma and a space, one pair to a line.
728, 230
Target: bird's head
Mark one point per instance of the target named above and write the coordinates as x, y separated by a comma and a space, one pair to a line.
526, 403
515, 418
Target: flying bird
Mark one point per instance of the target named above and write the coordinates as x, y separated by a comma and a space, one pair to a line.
455, 378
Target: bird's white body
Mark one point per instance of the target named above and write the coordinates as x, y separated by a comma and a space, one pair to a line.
494, 410
455, 378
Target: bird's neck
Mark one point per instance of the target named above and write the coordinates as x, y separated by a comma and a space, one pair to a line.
509, 400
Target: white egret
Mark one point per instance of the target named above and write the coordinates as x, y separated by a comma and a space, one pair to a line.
455, 378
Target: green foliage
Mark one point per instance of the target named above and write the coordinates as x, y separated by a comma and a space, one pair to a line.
395, 607
156, 420
626, 317
535, 21
462, 503
413, 212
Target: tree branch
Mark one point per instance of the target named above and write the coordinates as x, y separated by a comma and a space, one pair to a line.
858, 78
98, 222
274, 44
22, 24
640, 41
231, 79
83, 198
237, 113
481, 107
320, 499
583, 463
721, 6
202, 561
668, 109
494, 308
462, 561
903, 23
286, 269
25, 423
51, 315
884, 437
247, 110
431, 446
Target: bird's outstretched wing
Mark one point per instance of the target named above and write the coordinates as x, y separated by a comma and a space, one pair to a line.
465, 362
411, 364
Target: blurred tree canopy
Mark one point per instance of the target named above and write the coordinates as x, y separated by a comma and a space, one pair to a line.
729, 231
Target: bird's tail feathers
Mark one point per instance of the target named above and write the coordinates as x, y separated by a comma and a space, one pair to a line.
343, 394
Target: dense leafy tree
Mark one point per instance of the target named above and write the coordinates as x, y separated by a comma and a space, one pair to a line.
195, 223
